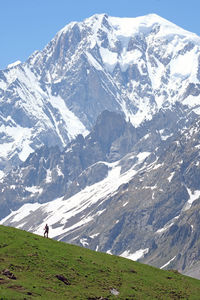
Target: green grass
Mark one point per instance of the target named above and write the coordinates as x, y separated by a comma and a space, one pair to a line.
35, 261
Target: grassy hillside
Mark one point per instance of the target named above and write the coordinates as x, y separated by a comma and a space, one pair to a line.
33, 267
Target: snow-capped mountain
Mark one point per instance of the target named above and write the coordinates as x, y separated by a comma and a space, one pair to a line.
133, 65
99, 138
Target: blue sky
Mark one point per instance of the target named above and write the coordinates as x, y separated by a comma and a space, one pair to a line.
28, 25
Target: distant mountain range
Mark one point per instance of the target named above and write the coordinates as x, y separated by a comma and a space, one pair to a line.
100, 138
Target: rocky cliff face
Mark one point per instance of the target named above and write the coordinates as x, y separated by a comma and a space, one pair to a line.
49, 173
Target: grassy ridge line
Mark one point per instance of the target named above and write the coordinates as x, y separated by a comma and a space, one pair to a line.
47, 269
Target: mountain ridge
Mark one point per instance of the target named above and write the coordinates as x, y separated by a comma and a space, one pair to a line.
103, 125
82, 72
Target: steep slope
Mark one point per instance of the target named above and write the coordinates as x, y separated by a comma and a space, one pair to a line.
46, 269
136, 184
136, 66
50, 173
178, 241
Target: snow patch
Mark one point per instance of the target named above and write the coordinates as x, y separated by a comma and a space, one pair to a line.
183, 65
165, 265
84, 242
166, 227
109, 58
157, 166
171, 176
100, 212
1, 175
94, 62
136, 255
20, 139
192, 197
73, 125
94, 235
59, 171
192, 102
33, 189
16, 63
165, 137
125, 59
26, 150
60, 210
21, 213
48, 176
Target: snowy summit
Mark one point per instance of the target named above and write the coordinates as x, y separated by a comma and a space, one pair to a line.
133, 65
16, 63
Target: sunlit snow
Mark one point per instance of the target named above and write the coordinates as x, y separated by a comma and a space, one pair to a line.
166, 39
192, 197
16, 63
136, 255
71, 122
183, 65
171, 176
168, 225
60, 210
165, 265
126, 27
93, 61
1, 175
20, 138
33, 189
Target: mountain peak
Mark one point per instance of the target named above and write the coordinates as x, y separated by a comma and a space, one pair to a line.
124, 28
16, 63
131, 65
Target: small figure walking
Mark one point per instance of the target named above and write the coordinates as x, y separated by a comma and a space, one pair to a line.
46, 231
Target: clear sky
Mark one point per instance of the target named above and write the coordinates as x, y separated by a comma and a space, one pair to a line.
28, 25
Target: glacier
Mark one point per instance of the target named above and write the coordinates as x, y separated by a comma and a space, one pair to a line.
134, 65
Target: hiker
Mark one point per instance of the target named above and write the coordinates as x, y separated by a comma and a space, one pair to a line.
46, 230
